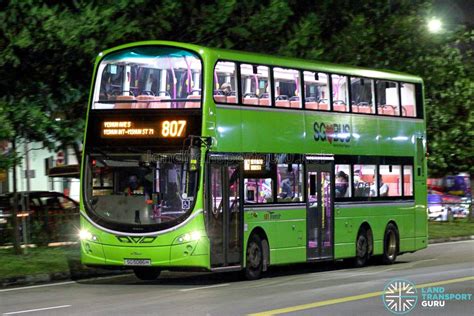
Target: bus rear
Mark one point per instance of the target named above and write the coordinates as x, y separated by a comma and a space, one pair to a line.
141, 172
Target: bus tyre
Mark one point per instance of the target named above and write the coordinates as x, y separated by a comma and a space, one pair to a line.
362, 248
147, 274
390, 244
254, 266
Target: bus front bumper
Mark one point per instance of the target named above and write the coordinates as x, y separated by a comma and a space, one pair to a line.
192, 254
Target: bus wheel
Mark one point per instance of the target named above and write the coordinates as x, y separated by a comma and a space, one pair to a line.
390, 244
254, 266
362, 248
147, 274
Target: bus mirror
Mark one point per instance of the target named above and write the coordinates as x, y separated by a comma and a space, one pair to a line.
290, 167
255, 70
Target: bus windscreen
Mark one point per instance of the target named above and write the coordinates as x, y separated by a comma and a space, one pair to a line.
148, 78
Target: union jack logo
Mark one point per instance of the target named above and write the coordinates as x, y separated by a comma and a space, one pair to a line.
400, 296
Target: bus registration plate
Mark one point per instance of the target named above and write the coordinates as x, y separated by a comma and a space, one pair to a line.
137, 262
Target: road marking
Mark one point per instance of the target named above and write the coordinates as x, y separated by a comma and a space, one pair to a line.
297, 308
65, 283
204, 287
451, 242
37, 309
37, 286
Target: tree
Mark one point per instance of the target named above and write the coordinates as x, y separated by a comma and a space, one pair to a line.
48, 50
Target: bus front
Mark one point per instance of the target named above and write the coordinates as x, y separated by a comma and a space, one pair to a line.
141, 175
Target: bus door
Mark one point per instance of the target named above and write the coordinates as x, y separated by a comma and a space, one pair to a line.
224, 215
319, 207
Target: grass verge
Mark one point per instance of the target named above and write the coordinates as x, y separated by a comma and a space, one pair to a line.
457, 228
42, 260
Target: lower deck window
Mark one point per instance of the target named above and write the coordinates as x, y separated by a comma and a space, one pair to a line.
258, 190
390, 183
290, 182
365, 182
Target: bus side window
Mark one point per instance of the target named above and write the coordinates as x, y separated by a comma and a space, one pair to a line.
340, 94
225, 82
255, 85
408, 180
408, 99
290, 182
287, 86
258, 191
362, 95
387, 98
365, 180
343, 181
390, 183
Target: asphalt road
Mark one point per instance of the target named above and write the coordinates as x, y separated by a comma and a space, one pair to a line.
322, 289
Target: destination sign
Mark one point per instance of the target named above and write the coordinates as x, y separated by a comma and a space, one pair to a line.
131, 129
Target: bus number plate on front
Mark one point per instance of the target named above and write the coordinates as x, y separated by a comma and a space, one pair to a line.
137, 262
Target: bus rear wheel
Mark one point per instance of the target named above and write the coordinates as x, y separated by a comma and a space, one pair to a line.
146, 273
362, 248
254, 266
390, 244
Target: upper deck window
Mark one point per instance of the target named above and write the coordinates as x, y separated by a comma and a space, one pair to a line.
340, 95
149, 78
387, 97
408, 99
225, 82
287, 86
255, 85
362, 95
316, 92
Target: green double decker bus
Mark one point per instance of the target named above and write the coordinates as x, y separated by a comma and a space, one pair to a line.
215, 160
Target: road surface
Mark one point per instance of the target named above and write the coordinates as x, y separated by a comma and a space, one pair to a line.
322, 289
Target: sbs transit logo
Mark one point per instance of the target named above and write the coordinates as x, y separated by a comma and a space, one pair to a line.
332, 132
400, 296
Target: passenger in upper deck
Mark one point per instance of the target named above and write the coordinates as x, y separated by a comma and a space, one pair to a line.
226, 88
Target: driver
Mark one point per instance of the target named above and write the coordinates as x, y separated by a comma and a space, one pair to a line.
134, 187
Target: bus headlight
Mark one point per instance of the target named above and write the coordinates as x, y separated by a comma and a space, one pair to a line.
87, 235
192, 236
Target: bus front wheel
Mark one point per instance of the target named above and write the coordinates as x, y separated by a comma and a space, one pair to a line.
254, 266
146, 273
390, 244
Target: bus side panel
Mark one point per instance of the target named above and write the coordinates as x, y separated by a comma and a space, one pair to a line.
349, 219
285, 230
421, 215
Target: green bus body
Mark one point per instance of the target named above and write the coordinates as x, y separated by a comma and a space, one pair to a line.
240, 129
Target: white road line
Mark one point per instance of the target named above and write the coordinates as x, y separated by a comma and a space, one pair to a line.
36, 286
204, 287
65, 283
451, 242
37, 309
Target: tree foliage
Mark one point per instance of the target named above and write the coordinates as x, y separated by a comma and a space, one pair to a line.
47, 51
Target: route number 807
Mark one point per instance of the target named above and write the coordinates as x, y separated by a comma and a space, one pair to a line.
173, 128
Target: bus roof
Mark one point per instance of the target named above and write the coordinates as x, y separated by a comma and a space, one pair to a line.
271, 60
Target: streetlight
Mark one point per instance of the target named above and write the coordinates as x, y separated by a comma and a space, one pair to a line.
435, 25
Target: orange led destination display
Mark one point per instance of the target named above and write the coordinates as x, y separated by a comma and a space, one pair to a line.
130, 129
